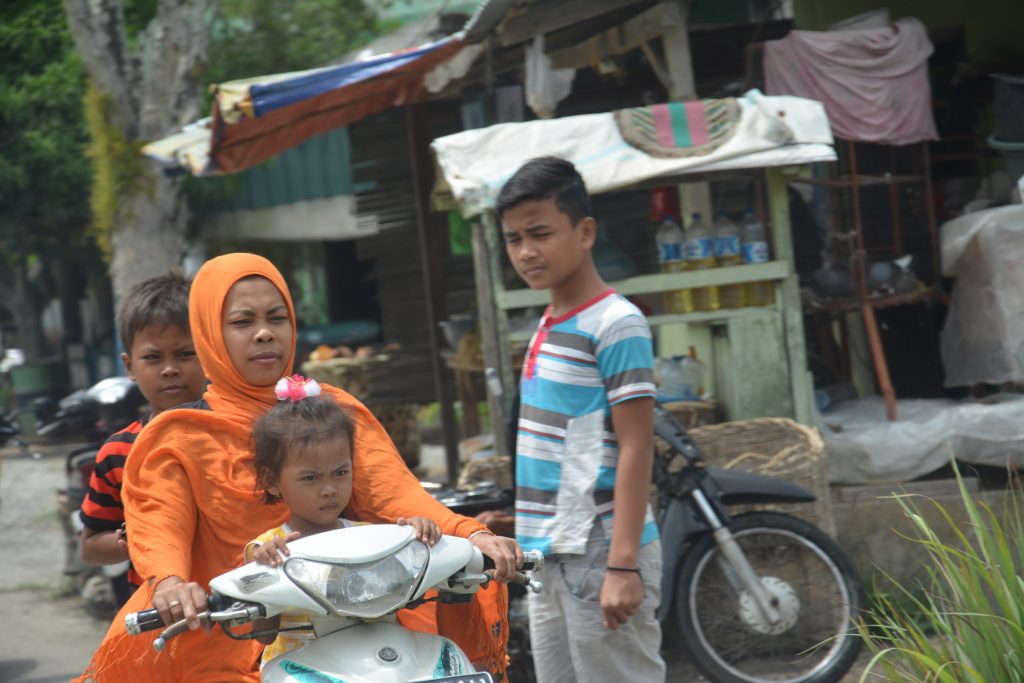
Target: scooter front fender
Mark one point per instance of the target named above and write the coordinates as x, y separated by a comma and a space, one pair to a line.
376, 652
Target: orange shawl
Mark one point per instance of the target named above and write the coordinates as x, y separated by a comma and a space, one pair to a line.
190, 506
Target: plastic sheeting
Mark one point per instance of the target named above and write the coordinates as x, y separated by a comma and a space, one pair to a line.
983, 337
772, 131
870, 449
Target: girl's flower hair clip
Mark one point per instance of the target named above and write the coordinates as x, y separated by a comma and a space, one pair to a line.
296, 388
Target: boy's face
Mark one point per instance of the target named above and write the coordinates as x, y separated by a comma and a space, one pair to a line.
543, 245
163, 362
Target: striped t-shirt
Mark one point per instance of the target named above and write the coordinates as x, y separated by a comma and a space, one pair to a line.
102, 507
579, 365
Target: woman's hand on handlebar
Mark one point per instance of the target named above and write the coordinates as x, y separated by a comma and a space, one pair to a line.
175, 600
505, 552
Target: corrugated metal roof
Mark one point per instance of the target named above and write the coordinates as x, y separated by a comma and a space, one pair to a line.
319, 168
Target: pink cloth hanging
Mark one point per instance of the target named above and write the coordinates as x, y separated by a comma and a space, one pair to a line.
873, 83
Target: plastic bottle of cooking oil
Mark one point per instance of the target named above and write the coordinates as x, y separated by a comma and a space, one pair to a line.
727, 253
755, 250
671, 259
700, 255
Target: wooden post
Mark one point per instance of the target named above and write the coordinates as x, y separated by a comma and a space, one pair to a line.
868, 310
788, 294
681, 87
430, 254
493, 324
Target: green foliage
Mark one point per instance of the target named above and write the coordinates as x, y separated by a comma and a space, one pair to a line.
117, 168
257, 37
966, 624
43, 174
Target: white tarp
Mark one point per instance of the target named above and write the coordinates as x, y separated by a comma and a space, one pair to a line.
867, 448
983, 336
772, 131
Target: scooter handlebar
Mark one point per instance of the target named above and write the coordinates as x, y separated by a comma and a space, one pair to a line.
532, 560
145, 620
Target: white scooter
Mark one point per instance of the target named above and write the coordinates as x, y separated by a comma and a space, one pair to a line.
350, 583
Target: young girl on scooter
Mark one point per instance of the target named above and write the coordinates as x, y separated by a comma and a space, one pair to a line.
302, 453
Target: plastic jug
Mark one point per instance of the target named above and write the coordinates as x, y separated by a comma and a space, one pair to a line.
728, 253
679, 378
700, 255
755, 250
671, 259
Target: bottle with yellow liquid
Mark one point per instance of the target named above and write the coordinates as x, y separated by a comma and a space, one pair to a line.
755, 250
671, 259
727, 253
700, 255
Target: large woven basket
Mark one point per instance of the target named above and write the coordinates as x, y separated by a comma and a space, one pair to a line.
401, 420
774, 447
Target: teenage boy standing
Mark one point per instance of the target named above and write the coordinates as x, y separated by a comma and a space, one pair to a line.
584, 445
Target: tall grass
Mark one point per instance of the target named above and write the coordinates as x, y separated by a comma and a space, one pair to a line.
965, 623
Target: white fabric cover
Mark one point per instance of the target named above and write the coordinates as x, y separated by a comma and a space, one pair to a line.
983, 337
773, 131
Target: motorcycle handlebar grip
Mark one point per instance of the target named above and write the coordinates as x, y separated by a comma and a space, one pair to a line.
532, 560
145, 620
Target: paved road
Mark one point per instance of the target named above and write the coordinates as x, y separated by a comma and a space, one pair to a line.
43, 637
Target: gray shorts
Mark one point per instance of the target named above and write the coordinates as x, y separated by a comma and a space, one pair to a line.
569, 641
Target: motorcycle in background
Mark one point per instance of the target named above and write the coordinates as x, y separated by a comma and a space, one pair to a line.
90, 415
10, 430
350, 583
758, 597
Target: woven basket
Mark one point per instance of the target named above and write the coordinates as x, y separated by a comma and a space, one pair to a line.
691, 414
774, 447
401, 420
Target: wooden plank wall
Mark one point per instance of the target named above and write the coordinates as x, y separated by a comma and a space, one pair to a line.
383, 178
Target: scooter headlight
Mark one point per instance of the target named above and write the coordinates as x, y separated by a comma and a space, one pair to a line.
368, 589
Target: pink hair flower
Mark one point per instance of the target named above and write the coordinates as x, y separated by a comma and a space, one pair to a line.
296, 388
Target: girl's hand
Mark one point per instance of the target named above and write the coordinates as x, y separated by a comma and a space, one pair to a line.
270, 553
426, 530
175, 599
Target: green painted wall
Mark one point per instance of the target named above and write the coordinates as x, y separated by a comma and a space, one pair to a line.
994, 28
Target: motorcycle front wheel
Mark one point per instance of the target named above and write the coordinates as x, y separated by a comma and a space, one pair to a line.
814, 588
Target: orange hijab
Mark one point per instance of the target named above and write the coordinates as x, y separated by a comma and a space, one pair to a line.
190, 503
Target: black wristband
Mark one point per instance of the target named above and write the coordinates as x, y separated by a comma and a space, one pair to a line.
633, 570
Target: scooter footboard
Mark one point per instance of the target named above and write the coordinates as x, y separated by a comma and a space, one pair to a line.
377, 652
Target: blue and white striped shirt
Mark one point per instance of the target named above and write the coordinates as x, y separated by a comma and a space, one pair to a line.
579, 366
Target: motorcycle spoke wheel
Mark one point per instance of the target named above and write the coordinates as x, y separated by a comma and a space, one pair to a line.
816, 593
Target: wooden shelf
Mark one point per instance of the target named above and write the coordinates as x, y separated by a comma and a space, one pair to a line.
698, 317
862, 180
877, 302
721, 315
662, 282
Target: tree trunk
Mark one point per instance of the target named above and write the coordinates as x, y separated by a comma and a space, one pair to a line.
25, 305
150, 238
154, 88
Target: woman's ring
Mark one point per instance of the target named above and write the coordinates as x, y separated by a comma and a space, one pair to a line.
174, 604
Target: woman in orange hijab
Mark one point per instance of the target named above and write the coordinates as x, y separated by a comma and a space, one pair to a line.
189, 490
